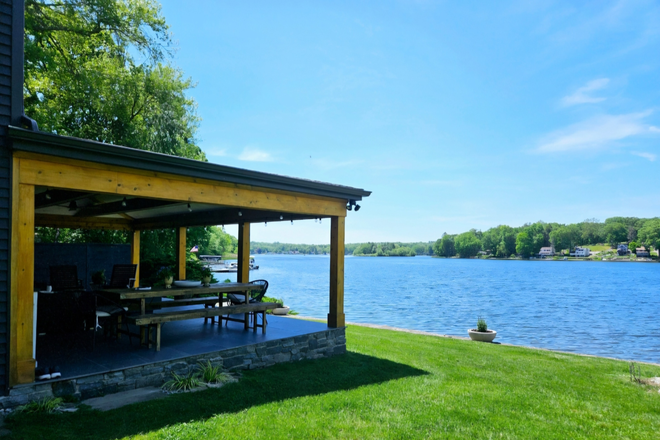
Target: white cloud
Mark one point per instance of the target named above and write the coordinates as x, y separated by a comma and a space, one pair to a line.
596, 133
253, 154
650, 156
581, 95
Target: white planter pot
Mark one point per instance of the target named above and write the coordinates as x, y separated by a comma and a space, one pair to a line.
486, 336
281, 311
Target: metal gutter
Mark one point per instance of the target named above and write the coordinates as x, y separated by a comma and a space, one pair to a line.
99, 152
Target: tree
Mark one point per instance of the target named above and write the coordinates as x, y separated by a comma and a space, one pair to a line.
467, 244
615, 233
82, 77
649, 234
444, 247
525, 244
565, 237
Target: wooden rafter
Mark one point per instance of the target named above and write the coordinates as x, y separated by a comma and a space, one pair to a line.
54, 197
122, 206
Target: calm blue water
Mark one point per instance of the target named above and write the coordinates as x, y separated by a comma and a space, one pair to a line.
605, 309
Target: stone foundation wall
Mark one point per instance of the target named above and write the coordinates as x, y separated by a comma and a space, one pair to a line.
311, 346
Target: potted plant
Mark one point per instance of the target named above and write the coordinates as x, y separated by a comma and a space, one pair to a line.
481, 333
167, 275
206, 276
281, 308
98, 278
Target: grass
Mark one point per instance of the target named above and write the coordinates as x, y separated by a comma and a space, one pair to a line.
392, 385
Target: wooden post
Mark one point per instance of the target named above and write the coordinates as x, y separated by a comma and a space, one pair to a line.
181, 252
135, 254
243, 275
22, 363
336, 317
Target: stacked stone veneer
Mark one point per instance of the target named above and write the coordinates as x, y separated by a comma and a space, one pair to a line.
310, 346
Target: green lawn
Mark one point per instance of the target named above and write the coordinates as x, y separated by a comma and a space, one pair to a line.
392, 385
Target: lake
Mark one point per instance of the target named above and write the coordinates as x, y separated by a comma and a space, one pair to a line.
604, 309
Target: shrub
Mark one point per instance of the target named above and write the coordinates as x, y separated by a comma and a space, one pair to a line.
481, 325
45, 405
181, 383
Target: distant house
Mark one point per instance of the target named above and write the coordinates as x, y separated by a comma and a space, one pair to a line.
642, 252
622, 249
581, 252
547, 251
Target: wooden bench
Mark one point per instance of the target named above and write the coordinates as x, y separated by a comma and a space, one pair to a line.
155, 320
207, 302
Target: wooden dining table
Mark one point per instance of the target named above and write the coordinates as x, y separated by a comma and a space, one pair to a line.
219, 289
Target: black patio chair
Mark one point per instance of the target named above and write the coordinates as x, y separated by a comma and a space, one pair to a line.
122, 274
65, 278
256, 296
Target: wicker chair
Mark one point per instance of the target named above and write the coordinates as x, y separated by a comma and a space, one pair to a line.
256, 296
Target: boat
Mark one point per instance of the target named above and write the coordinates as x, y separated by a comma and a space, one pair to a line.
227, 266
214, 262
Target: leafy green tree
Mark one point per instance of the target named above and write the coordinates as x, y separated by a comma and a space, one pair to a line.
615, 233
445, 247
100, 69
633, 246
83, 77
525, 244
649, 234
467, 244
592, 231
565, 237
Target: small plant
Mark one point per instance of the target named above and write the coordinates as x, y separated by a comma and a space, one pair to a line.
206, 272
481, 325
165, 273
98, 277
210, 374
181, 383
45, 405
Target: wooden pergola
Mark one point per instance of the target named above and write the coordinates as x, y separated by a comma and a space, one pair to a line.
59, 181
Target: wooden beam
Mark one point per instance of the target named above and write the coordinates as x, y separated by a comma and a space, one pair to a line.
243, 275
68, 221
181, 252
121, 206
135, 254
336, 317
79, 175
57, 197
22, 362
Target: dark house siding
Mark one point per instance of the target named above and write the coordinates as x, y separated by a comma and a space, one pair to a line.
11, 102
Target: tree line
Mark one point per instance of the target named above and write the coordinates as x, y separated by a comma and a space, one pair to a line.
385, 249
505, 241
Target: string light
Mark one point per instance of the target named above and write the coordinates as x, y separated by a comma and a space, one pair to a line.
48, 197
281, 217
240, 214
123, 202
189, 208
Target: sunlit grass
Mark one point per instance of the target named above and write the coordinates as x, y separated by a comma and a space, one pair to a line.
393, 385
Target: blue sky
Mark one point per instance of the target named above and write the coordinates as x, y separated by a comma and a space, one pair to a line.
456, 115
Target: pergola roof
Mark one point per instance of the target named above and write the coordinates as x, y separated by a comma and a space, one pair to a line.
71, 208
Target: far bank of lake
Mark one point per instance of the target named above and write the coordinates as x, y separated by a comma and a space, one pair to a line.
601, 309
